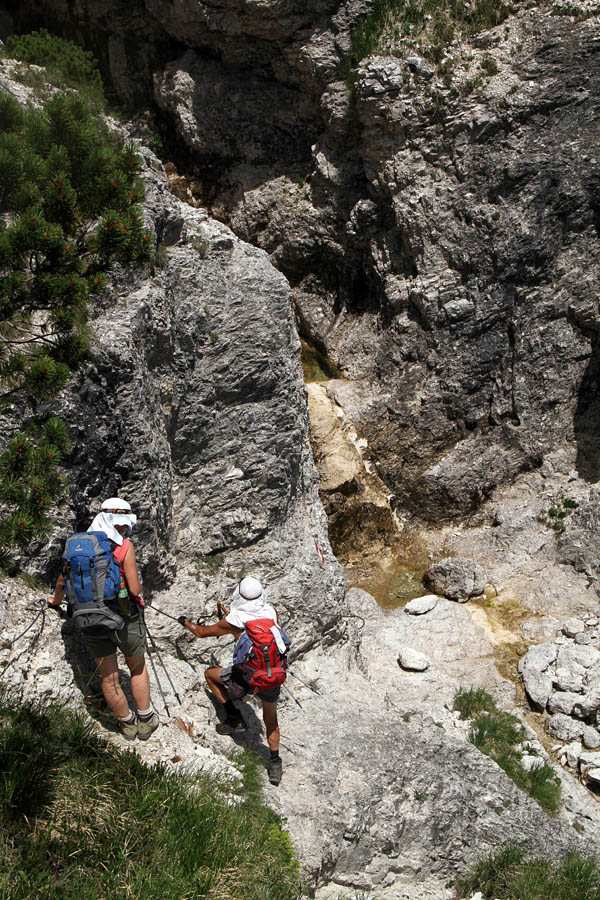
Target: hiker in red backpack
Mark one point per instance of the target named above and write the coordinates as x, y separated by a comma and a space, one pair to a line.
259, 662
116, 521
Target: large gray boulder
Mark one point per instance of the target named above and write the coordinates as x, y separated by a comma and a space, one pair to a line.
456, 578
193, 408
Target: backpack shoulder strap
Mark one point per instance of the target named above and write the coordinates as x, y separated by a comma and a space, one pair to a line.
119, 553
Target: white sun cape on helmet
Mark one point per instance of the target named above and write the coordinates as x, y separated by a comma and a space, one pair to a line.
248, 603
114, 511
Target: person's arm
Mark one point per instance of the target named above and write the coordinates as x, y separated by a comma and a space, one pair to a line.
131, 573
59, 592
217, 630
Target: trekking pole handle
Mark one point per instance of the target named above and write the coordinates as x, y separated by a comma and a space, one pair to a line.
221, 611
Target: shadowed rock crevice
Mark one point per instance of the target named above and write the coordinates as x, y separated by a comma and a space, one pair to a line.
587, 419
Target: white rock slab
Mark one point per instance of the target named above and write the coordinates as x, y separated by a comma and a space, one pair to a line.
572, 752
412, 660
563, 702
572, 627
530, 763
590, 759
591, 738
568, 680
586, 704
537, 677
564, 727
421, 605
571, 656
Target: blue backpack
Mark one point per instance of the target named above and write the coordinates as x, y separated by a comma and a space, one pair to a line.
92, 581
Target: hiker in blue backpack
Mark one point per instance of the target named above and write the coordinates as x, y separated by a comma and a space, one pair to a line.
101, 582
259, 662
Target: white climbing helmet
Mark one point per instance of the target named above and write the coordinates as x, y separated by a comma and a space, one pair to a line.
118, 512
250, 588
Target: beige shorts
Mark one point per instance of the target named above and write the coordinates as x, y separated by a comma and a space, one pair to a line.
130, 640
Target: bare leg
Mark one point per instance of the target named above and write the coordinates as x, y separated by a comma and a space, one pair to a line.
108, 670
215, 684
140, 681
271, 724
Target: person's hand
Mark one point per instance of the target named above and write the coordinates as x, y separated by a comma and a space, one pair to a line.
183, 620
139, 600
52, 601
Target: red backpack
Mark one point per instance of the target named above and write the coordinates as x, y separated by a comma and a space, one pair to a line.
258, 656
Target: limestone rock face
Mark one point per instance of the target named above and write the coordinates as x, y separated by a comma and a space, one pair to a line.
380, 784
578, 545
441, 238
194, 89
561, 678
442, 248
300, 43
194, 409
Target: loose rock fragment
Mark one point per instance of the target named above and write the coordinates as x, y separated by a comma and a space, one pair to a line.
412, 660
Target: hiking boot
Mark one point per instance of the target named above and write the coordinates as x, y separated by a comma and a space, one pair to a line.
231, 724
274, 770
145, 727
129, 730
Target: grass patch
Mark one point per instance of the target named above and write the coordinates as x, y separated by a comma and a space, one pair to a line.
558, 513
212, 562
514, 875
82, 820
498, 734
489, 65
474, 700
426, 25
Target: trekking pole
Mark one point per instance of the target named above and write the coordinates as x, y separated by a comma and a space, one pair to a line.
162, 612
169, 616
162, 693
286, 688
305, 683
160, 659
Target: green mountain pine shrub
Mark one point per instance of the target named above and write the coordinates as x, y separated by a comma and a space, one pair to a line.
66, 64
69, 207
30, 481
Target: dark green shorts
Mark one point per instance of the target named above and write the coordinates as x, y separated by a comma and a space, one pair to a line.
130, 640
